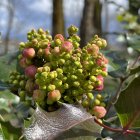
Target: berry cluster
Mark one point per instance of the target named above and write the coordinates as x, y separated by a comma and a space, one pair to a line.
59, 70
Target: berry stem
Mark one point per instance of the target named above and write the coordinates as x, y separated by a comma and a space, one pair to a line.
107, 127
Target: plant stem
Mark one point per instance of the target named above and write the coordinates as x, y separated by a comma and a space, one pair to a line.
131, 132
131, 121
124, 132
107, 127
122, 79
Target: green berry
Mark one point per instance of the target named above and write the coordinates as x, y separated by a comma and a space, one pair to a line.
90, 95
97, 102
51, 87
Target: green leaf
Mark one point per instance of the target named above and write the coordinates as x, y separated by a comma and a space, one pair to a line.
6, 98
7, 64
68, 122
128, 105
134, 70
8, 132
134, 41
118, 64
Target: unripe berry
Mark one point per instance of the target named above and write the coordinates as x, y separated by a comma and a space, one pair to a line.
99, 96
39, 70
61, 61
38, 95
46, 69
22, 83
97, 102
30, 71
85, 103
72, 30
66, 86
29, 85
90, 96
58, 42
76, 84
59, 70
51, 87
104, 43
54, 95
99, 111
93, 79
57, 83
40, 31
28, 53
15, 82
102, 104
22, 95
90, 87
99, 43
40, 52
22, 44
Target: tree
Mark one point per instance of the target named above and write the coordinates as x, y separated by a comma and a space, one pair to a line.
91, 20
11, 12
58, 17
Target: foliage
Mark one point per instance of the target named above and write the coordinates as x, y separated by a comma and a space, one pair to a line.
122, 94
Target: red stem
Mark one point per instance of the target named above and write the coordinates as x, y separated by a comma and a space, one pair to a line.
123, 131
107, 127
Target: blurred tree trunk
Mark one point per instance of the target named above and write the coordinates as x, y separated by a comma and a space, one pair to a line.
91, 20
58, 17
134, 6
10, 10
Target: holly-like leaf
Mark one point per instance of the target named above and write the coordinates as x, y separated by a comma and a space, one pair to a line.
69, 122
128, 105
7, 131
7, 98
7, 64
134, 70
118, 64
134, 41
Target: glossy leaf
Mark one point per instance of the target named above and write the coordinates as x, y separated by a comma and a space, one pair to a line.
68, 122
128, 105
134, 70
118, 64
8, 132
7, 64
6, 98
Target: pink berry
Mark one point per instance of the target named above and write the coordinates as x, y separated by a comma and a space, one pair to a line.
56, 50
100, 62
100, 77
93, 49
104, 69
28, 52
38, 95
99, 111
23, 63
66, 46
47, 51
54, 95
30, 71
105, 60
100, 87
59, 36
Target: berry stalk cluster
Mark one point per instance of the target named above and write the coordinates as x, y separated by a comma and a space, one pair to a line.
57, 69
